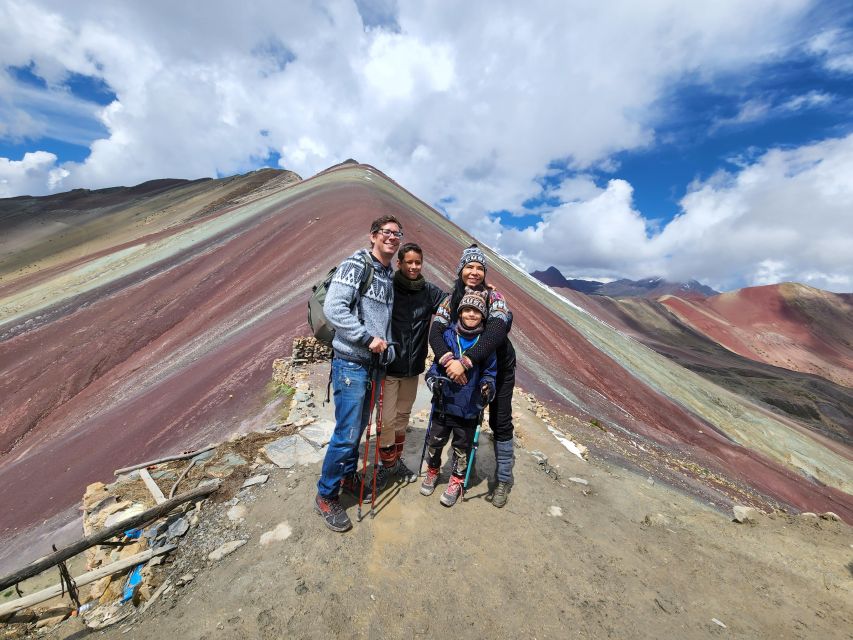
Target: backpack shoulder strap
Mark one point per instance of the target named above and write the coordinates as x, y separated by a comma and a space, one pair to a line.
366, 281
367, 274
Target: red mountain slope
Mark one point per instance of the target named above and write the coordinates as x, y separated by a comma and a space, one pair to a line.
787, 325
164, 341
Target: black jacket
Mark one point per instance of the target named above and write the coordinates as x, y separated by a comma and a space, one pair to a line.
410, 322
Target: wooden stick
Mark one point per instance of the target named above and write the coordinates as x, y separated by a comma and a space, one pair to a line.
156, 595
181, 477
179, 456
73, 549
96, 574
159, 498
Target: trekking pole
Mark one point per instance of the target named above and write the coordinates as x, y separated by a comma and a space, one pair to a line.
426, 439
440, 380
367, 439
473, 452
380, 362
376, 445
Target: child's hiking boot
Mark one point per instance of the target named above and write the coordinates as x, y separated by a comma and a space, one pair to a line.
403, 472
452, 492
500, 495
352, 485
333, 513
428, 485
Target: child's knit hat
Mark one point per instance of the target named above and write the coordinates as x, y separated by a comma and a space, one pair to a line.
471, 254
474, 300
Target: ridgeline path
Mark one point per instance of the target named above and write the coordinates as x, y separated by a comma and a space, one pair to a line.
621, 557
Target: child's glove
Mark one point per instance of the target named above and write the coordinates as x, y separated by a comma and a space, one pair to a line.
488, 392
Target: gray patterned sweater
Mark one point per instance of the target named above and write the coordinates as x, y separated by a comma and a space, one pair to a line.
352, 338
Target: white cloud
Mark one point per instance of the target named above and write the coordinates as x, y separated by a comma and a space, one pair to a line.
787, 216
28, 175
467, 106
835, 47
470, 103
400, 68
790, 214
752, 110
28, 112
807, 101
763, 108
600, 234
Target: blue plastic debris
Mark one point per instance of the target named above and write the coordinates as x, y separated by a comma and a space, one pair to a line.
133, 581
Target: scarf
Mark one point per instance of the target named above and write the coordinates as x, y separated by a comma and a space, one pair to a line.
464, 331
412, 285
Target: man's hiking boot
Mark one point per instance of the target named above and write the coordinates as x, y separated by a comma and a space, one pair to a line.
352, 485
403, 472
451, 493
333, 513
500, 495
428, 485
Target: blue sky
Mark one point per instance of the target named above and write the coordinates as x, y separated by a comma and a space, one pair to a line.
623, 141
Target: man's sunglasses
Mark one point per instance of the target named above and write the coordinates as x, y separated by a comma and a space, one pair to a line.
389, 233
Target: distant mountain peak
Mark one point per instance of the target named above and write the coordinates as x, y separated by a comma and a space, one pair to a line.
554, 278
651, 287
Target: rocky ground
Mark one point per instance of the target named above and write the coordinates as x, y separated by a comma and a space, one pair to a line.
583, 549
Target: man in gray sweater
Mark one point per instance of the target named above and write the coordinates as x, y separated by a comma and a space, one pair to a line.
362, 328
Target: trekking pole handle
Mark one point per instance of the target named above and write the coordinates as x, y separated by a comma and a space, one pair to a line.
383, 357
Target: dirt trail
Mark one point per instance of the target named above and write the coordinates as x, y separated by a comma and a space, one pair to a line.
621, 557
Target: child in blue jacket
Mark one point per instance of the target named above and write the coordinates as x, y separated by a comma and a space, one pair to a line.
456, 407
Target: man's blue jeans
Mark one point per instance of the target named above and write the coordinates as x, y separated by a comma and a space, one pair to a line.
352, 408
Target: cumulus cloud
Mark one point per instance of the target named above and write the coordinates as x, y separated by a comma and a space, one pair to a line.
599, 234
787, 216
30, 174
470, 104
466, 108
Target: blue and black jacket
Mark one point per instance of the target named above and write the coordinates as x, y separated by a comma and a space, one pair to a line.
464, 401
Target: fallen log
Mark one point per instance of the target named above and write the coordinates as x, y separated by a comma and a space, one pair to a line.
177, 456
73, 549
96, 574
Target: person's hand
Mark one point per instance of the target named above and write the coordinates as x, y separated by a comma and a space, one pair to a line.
456, 372
487, 392
378, 345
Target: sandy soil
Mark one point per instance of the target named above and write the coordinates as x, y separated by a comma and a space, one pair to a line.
621, 557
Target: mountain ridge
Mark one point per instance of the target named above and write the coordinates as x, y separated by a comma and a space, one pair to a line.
652, 287
174, 332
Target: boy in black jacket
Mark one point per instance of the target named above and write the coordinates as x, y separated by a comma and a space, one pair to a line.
415, 301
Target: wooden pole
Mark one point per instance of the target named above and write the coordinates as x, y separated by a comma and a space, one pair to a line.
158, 496
73, 549
179, 456
96, 574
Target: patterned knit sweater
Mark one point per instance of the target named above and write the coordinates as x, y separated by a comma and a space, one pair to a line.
352, 337
491, 339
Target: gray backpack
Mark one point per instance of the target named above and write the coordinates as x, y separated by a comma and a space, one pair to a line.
320, 326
